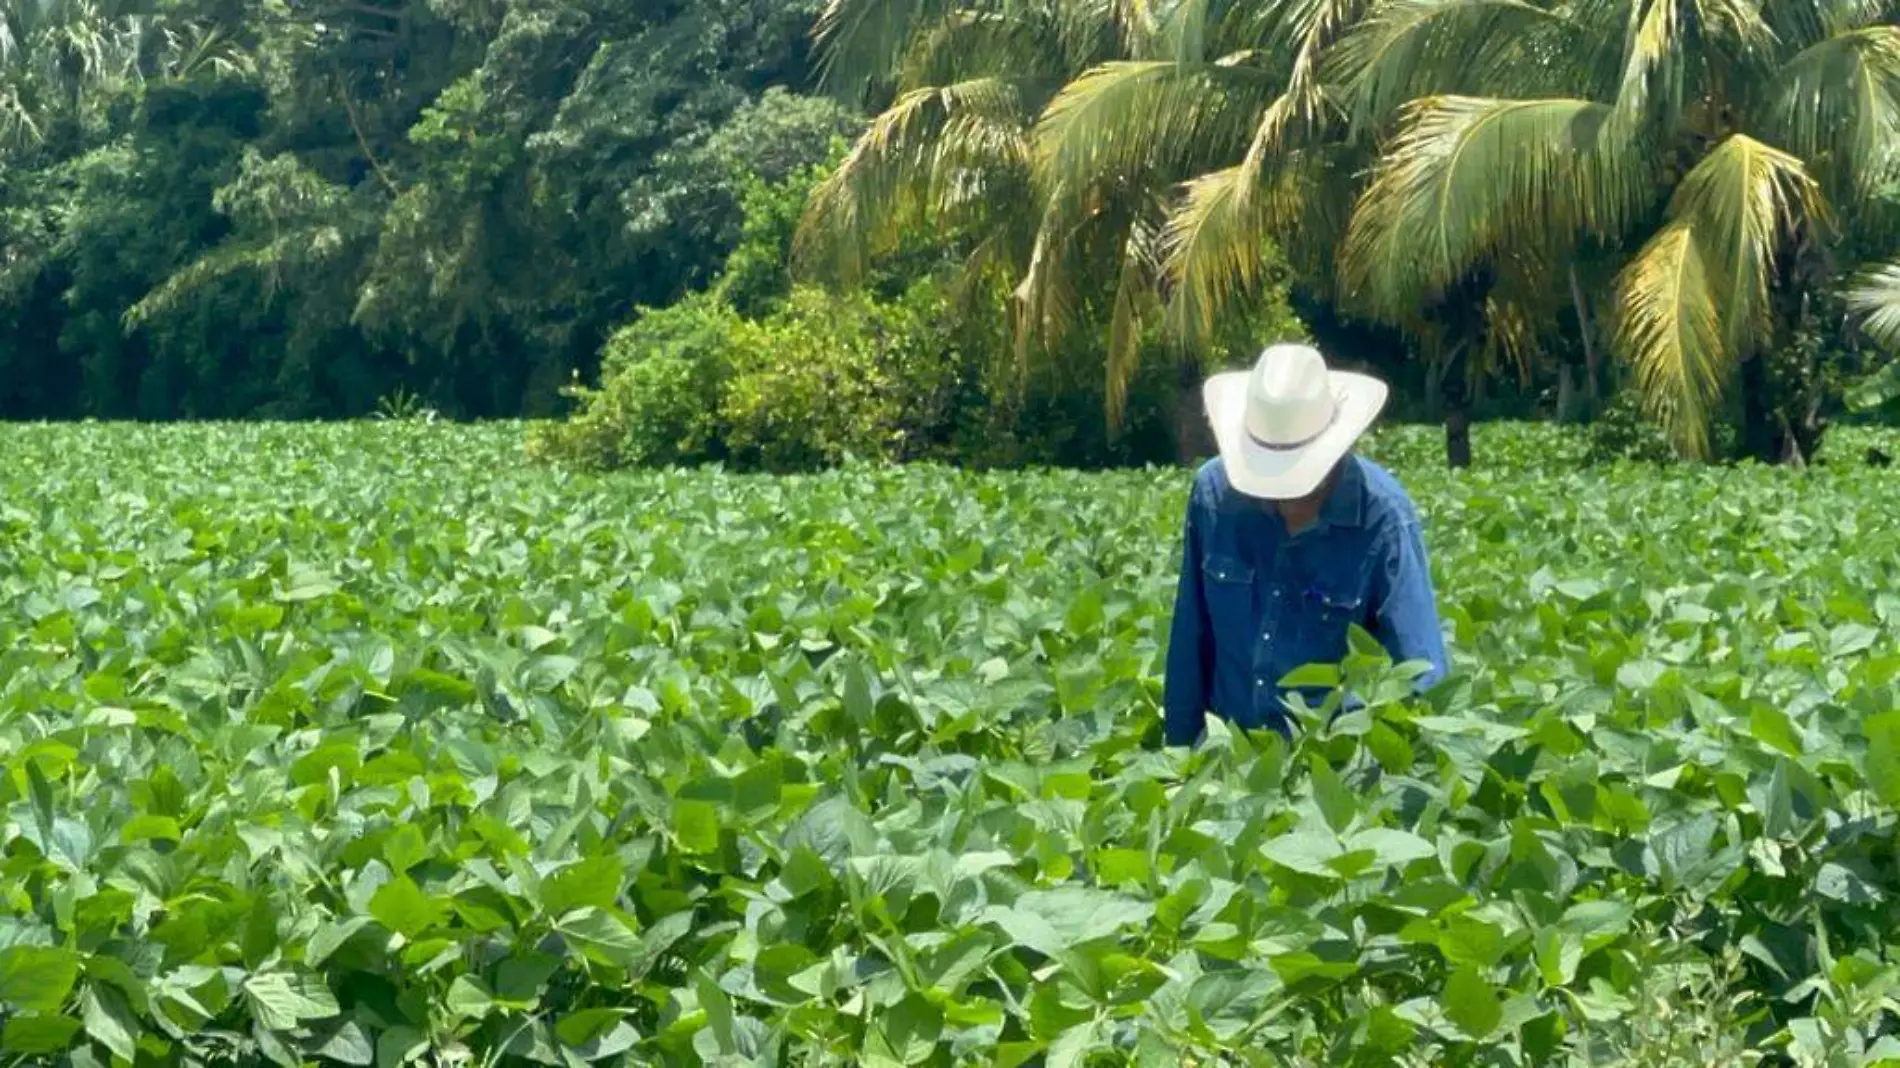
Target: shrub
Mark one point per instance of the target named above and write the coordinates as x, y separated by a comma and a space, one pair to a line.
831, 376
658, 402
1624, 433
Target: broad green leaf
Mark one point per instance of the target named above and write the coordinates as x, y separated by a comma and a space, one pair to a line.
595, 881
1077, 915
905, 1034
282, 1002
1883, 756
596, 1034
1472, 1003
1391, 848
469, 997
1772, 726
405, 908
349, 1044
1335, 800
1592, 919
108, 1020
696, 825
36, 1035
37, 978
399, 1046
603, 935
1304, 851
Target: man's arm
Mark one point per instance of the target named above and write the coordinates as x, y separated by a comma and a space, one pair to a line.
1408, 608
1184, 689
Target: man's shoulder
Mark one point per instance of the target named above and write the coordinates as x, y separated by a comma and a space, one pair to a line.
1387, 503
1210, 480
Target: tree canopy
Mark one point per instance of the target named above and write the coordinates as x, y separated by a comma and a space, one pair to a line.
214, 209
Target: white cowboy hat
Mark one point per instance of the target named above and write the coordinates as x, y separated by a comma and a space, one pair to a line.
1283, 426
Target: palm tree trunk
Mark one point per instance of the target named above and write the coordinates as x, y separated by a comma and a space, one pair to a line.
1758, 422
1192, 438
1586, 328
1456, 393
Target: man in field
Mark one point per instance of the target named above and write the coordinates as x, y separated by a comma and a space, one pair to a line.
1290, 538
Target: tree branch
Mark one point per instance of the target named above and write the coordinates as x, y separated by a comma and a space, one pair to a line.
356, 127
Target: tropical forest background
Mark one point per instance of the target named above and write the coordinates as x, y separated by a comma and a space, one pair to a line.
777, 234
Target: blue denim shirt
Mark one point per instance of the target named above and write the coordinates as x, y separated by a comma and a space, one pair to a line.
1254, 604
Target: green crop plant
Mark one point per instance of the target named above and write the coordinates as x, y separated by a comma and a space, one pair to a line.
376, 744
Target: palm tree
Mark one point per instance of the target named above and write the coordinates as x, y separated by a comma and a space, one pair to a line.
1472, 167
1190, 139
1712, 148
992, 136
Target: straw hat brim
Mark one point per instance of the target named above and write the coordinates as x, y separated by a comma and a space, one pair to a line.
1288, 474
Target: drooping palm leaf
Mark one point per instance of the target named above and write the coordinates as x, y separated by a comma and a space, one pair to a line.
1155, 117
1875, 299
1839, 101
1216, 238
1741, 202
1669, 330
928, 148
862, 41
1405, 49
973, 43
1666, 39
1134, 296
1467, 174
1302, 108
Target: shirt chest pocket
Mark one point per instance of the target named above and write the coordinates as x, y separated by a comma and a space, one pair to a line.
1326, 613
1231, 604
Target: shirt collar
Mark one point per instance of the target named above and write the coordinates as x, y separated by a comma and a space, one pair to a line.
1344, 507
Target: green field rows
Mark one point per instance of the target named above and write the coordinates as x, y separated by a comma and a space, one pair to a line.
375, 745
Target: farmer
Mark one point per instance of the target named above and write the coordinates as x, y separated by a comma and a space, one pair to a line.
1291, 537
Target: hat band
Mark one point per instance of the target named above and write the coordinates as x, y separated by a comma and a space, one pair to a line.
1294, 446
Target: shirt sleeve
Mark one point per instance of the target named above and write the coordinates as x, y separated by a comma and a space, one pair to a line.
1407, 616
1184, 689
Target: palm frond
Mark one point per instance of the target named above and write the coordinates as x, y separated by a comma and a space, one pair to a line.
1650, 57
1839, 100
1154, 117
860, 42
1841, 16
1466, 175
1134, 294
1089, 32
1661, 51
1045, 304
1521, 312
1303, 106
1215, 243
1669, 331
1741, 201
928, 149
1875, 300
968, 44
1405, 49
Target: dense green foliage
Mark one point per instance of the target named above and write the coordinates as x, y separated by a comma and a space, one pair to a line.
373, 743
226, 210
222, 210
764, 371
